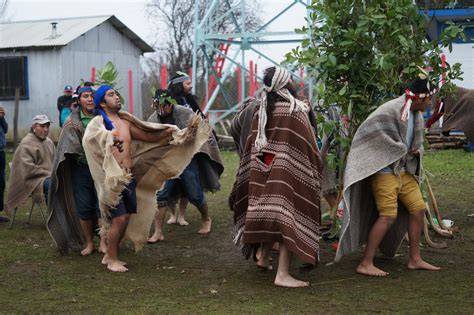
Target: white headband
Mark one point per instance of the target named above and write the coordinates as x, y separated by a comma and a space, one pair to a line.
279, 81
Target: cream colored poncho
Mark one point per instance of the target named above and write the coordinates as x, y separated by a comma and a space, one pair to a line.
153, 164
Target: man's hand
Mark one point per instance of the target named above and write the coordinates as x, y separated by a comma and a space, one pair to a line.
169, 131
2, 112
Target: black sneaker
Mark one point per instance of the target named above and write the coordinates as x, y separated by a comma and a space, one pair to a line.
4, 219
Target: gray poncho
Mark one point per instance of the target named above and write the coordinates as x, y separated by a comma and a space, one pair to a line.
379, 142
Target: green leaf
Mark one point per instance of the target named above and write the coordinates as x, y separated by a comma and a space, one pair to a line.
332, 59
343, 90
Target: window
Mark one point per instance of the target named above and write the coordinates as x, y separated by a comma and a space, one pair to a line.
13, 74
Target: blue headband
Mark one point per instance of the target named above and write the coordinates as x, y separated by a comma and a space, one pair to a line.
84, 89
99, 97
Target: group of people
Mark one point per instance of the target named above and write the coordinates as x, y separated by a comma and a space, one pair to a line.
276, 195
109, 165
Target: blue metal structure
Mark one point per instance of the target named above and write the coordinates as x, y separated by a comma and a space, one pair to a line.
207, 39
439, 17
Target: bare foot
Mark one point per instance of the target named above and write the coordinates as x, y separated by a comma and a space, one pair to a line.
421, 265
205, 226
172, 219
157, 237
289, 282
370, 270
182, 221
107, 260
116, 266
102, 246
88, 249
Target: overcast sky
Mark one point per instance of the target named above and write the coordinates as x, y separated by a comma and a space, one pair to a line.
132, 13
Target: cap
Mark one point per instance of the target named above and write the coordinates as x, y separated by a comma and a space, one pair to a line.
41, 119
68, 88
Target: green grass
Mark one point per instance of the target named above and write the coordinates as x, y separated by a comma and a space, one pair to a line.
189, 273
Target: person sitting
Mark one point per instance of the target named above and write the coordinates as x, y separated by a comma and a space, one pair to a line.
31, 165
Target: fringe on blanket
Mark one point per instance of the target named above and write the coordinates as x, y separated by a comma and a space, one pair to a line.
189, 134
113, 198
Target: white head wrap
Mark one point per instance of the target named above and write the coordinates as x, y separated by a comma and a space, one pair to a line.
279, 81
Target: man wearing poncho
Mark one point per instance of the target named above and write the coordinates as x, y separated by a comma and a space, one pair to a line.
275, 197
31, 165
129, 161
73, 205
201, 175
381, 192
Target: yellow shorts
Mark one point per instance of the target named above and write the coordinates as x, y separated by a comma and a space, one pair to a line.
389, 188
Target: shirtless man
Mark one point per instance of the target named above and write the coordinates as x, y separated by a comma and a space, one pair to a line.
107, 103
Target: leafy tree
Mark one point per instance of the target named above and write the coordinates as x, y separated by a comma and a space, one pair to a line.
363, 53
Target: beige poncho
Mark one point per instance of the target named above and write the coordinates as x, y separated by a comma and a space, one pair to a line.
153, 164
31, 164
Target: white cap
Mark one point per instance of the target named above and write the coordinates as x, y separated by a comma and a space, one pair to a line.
41, 119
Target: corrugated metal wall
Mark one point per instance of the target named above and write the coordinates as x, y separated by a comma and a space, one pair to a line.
49, 70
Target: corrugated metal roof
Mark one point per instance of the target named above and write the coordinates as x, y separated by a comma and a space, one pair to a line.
24, 34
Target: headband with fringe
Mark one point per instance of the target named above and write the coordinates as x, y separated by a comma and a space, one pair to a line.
409, 97
279, 81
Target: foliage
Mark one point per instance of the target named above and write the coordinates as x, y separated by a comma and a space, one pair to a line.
109, 75
165, 98
363, 53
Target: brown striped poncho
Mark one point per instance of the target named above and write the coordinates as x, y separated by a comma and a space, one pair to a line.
280, 202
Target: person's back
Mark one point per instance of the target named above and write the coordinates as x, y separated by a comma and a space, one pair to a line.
275, 197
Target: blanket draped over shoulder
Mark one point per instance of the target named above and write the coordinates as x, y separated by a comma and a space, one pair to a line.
280, 202
209, 157
379, 142
459, 112
242, 123
63, 222
31, 164
153, 163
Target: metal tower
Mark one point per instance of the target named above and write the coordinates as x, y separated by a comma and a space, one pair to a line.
209, 41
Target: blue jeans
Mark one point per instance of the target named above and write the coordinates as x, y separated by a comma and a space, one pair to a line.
189, 182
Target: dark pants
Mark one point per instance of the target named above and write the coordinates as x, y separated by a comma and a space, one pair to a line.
46, 189
2, 178
85, 196
128, 202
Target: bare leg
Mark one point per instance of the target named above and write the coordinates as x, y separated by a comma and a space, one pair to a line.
103, 245
159, 219
415, 225
183, 203
206, 220
172, 219
87, 227
116, 232
376, 234
263, 261
103, 241
283, 278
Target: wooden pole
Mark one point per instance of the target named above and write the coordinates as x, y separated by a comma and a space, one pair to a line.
15, 118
